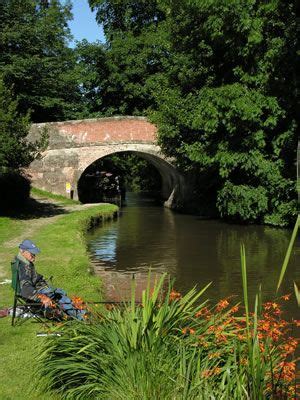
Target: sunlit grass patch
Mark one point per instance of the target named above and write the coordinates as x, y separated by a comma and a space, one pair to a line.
48, 195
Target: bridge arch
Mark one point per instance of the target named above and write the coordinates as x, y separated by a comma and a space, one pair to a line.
74, 145
169, 175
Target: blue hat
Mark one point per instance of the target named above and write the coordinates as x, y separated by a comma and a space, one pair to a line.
29, 246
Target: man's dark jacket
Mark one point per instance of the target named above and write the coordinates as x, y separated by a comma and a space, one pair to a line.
30, 280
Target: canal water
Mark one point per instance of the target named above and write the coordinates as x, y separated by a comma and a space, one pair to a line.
192, 250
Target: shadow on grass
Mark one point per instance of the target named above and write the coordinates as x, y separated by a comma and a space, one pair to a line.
36, 209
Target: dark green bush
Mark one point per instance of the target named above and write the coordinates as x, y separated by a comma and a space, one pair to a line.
242, 202
15, 191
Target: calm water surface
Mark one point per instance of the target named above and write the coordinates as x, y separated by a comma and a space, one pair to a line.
192, 250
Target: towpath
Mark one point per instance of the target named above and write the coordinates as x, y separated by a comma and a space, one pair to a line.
43, 211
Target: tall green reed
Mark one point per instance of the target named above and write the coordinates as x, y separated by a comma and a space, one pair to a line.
171, 347
287, 258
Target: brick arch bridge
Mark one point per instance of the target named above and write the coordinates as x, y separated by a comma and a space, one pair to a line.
74, 145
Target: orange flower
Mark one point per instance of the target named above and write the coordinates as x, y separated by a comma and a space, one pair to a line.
203, 311
261, 347
288, 370
210, 372
174, 295
78, 302
206, 373
221, 337
277, 311
265, 326
214, 355
234, 309
286, 297
191, 331
222, 304
271, 306
203, 342
216, 370
290, 346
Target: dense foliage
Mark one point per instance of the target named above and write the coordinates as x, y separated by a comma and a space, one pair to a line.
35, 59
172, 348
15, 192
15, 153
219, 79
136, 53
38, 83
32, 51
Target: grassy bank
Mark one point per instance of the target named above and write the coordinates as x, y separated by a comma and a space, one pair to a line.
35, 192
9, 228
63, 256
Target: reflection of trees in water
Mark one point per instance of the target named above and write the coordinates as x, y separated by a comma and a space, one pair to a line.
194, 251
139, 242
262, 244
209, 251
265, 249
145, 242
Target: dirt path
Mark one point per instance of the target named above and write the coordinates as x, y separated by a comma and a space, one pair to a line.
33, 224
45, 211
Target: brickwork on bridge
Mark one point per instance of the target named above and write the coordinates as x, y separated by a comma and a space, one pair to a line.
109, 130
74, 145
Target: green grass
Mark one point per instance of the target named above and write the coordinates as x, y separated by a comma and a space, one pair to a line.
63, 256
47, 195
10, 228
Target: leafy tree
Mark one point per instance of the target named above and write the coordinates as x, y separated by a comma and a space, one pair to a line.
92, 71
228, 111
15, 151
136, 54
219, 78
35, 59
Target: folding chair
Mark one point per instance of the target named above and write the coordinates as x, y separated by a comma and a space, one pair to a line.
25, 307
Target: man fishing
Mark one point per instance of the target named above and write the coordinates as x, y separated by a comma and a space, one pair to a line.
34, 287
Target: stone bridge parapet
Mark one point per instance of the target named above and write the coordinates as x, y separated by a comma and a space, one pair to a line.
97, 131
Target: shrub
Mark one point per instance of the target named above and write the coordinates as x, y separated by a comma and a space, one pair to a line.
172, 347
242, 202
15, 191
